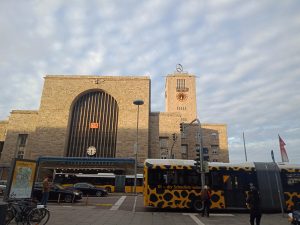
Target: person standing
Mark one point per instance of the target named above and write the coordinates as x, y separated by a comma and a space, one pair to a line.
205, 198
253, 203
46, 189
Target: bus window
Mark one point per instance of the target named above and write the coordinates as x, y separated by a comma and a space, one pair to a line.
216, 180
227, 182
193, 178
181, 177
169, 177
174, 177
155, 177
291, 181
234, 181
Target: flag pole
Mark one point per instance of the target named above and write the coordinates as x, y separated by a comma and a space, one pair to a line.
245, 147
280, 149
272, 155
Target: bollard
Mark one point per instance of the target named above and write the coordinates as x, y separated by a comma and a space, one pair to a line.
58, 200
86, 200
3, 209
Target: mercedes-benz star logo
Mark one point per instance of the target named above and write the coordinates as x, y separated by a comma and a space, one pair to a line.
179, 68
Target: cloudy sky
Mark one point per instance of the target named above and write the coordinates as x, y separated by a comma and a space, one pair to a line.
246, 55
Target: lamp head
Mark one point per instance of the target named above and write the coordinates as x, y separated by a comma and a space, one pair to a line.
138, 102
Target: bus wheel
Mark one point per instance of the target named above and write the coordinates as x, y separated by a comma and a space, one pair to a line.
108, 189
197, 205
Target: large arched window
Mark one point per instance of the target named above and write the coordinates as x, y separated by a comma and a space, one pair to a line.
93, 126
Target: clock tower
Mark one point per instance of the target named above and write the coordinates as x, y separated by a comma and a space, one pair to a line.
180, 94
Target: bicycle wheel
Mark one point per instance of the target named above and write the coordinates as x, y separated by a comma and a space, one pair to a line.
38, 216
9, 216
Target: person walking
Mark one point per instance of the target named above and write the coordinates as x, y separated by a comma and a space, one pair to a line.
253, 203
46, 189
205, 195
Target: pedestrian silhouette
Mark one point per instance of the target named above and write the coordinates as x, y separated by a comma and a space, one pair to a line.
253, 203
205, 198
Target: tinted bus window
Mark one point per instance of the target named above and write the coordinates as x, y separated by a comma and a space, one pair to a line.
174, 177
291, 181
216, 180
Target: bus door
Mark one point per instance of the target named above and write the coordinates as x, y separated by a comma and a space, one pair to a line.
233, 192
120, 183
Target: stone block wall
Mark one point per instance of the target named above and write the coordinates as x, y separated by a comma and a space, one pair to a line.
49, 126
212, 135
20, 122
3, 129
164, 124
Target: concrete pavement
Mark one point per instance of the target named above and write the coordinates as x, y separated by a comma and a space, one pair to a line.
93, 215
129, 210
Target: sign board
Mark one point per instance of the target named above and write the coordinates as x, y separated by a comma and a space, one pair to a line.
94, 125
21, 179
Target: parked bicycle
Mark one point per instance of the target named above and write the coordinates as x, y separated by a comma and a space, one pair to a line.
26, 212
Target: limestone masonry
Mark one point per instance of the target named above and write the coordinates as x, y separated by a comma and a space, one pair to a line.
95, 116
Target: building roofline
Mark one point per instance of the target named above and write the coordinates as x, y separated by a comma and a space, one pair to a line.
142, 77
180, 74
24, 112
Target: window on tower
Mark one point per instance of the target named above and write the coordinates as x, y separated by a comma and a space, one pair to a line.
180, 85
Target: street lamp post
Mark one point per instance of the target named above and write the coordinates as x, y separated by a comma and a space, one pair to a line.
138, 103
200, 143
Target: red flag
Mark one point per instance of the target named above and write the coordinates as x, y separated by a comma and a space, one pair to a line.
284, 156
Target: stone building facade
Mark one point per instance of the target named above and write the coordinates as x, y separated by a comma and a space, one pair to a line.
79, 112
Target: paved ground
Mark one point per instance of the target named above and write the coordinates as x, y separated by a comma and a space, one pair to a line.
96, 216
129, 210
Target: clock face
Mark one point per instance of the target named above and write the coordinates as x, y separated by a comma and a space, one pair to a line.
181, 96
91, 150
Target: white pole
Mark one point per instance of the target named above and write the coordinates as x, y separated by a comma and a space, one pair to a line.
245, 147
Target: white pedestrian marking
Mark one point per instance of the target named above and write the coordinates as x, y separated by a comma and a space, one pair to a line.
118, 203
133, 210
211, 214
220, 214
196, 219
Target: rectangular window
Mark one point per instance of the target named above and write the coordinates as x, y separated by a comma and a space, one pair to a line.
290, 180
164, 145
214, 137
205, 151
173, 177
21, 153
184, 151
180, 84
22, 140
215, 149
163, 142
216, 179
